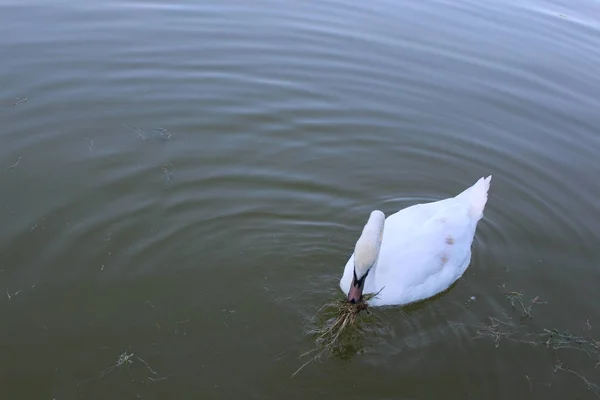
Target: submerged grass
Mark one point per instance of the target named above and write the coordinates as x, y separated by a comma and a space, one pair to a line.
496, 330
553, 339
556, 340
517, 301
339, 328
127, 359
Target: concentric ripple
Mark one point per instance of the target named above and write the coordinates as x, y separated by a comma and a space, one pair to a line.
209, 165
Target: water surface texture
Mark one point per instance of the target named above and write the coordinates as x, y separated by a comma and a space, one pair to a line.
181, 184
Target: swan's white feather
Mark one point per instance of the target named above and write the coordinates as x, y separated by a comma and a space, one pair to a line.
423, 250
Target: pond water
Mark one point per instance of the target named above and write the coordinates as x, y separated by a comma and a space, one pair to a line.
182, 183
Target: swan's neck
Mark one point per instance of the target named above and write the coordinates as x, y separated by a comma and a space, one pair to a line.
366, 251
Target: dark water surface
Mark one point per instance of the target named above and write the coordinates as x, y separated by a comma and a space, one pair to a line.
181, 184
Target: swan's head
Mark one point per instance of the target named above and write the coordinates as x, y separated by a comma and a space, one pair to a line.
366, 253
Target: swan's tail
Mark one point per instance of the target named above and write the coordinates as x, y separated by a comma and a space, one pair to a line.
477, 196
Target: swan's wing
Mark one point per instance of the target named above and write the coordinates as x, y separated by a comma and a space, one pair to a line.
425, 249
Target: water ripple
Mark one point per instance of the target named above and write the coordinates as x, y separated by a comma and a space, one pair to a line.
287, 124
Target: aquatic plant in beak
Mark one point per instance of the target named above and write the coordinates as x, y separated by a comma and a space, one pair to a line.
340, 328
336, 324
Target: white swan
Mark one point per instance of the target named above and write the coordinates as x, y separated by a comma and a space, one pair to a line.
417, 252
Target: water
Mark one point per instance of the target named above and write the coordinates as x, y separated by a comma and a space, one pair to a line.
184, 181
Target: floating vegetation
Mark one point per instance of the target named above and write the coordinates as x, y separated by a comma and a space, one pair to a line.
158, 133
339, 328
516, 300
496, 330
124, 358
14, 165
162, 133
19, 100
10, 296
590, 385
554, 339
128, 359
168, 172
16, 102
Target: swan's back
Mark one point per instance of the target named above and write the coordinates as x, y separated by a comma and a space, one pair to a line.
426, 247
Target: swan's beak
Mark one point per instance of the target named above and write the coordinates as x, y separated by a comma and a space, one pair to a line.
355, 292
